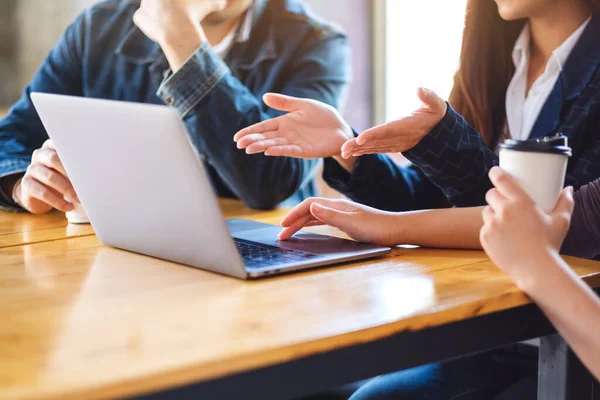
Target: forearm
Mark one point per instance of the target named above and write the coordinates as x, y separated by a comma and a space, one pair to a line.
452, 228
571, 306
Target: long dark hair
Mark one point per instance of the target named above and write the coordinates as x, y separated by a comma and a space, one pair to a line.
486, 68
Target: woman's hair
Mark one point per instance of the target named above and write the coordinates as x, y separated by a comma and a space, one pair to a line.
486, 68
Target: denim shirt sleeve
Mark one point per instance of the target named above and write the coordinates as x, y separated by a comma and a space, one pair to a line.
455, 158
21, 131
214, 105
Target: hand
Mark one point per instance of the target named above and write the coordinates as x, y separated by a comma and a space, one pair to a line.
311, 129
45, 184
360, 222
400, 135
175, 25
517, 234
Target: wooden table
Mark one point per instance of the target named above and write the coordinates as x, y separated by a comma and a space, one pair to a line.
81, 320
3, 111
20, 228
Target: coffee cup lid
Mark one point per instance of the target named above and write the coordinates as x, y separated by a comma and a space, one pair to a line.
551, 144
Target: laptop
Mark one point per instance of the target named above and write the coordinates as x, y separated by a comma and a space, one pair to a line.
145, 189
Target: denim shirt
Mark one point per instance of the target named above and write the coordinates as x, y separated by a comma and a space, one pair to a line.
104, 55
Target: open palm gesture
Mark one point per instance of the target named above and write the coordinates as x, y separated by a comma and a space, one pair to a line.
311, 129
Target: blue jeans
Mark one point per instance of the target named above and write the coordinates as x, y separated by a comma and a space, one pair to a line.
508, 373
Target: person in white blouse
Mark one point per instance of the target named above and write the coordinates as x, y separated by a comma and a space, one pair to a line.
524, 100
529, 68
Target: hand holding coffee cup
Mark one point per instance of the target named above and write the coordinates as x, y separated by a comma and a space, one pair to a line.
45, 184
538, 165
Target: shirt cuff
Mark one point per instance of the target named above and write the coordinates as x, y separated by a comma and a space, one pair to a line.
194, 80
8, 168
360, 179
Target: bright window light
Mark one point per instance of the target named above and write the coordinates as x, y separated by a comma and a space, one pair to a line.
423, 41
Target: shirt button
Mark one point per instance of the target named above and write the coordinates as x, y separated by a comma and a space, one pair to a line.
170, 101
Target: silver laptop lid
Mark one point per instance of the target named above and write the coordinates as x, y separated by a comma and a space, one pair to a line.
140, 180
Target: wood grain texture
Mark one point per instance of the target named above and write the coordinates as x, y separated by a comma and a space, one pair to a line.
23, 228
81, 320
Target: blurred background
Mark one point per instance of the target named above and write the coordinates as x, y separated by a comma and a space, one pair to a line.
397, 45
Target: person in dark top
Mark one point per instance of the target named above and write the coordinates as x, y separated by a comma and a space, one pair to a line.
517, 78
531, 70
210, 60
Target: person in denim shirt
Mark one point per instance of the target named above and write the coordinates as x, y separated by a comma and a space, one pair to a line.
210, 60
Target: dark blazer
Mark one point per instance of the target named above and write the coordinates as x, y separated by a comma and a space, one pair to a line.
104, 55
453, 158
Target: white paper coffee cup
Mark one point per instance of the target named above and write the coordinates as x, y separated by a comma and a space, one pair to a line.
539, 166
78, 215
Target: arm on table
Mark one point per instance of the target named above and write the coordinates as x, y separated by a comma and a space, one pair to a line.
523, 240
571, 306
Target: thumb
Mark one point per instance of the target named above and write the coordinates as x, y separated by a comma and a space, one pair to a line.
430, 99
332, 217
282, 102
565, 203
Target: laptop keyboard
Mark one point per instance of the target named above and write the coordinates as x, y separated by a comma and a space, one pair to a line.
257, 255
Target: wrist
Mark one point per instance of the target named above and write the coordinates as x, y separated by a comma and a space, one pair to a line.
10, 186
394, 227
179, 48
346, 163
534, 274
16, 191
346, 133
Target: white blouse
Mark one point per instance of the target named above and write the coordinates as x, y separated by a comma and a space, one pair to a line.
523, 109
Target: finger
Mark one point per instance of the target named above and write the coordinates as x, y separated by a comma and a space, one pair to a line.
48, 144
507, 185
282, 102
290, 150
384, 131
261, 127
383, 149
139, 16
49, 157
303, 209
565, 203
430, 99
247, 140
289, 231
383, 142
41, 192
349, 147
314, 222
495, 199
377, 151
263, 145
487, 214
52, 179
341, 220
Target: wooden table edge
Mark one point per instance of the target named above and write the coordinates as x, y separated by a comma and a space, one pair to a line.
187, 375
